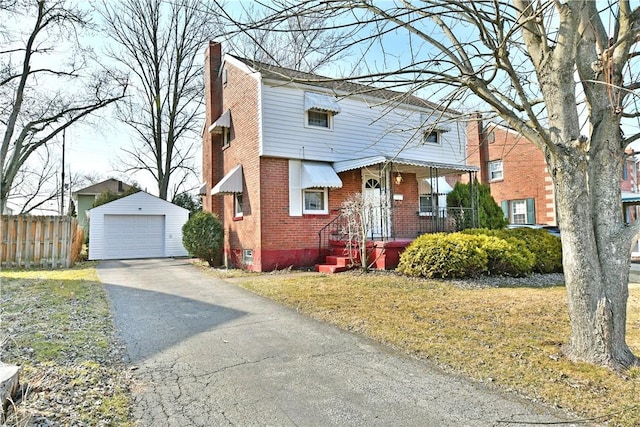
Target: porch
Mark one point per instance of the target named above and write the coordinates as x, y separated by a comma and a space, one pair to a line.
339, 248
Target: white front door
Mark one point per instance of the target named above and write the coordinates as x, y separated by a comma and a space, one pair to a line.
376, 206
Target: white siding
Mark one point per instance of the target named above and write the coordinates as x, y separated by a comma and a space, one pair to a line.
144, 204
360, 130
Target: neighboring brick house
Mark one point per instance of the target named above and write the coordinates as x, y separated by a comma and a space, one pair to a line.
282, 151
516, 172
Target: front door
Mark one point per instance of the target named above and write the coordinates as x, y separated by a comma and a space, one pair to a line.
376, 206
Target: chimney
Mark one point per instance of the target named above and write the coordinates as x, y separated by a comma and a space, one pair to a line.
478, 147
212, 167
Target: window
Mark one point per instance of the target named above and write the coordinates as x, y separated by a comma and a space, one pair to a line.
432, 137
518, 212
226, 137
315, 201
495, 170
317, 118
426, 204
237, 205
247, 256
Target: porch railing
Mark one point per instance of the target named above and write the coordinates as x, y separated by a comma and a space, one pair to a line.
334, 230
447, 220
440, 220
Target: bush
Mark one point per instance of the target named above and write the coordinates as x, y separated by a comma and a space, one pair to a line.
546, 248
202, 236
490, 214
508, 257
444, 255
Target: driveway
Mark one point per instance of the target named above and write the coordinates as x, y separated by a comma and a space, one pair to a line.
211, 354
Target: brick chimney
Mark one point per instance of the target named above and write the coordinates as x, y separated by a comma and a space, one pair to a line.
212, 168
478, 147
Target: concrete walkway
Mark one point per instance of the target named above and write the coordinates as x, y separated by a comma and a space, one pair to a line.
211, 354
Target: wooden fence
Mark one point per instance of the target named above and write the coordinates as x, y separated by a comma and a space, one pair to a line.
36, 241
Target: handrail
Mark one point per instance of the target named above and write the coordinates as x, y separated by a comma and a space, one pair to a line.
334, 228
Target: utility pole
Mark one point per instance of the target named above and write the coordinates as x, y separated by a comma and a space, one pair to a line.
62, 181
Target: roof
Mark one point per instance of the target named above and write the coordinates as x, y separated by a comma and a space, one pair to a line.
338, 86
110, 184
139, 197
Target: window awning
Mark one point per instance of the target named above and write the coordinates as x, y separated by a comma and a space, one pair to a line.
202, 191
224, 121
231, 183
319, 175
318, 101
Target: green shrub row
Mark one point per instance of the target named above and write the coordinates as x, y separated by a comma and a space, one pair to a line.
517, 253
546, 247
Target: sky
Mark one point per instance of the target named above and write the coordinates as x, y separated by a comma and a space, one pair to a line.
93, 148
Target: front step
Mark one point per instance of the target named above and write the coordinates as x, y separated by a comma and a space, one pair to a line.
335, 264
330, 268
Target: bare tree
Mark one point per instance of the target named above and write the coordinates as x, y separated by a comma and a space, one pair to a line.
40, 93
299, 41
563, 74
36, 185
159, 44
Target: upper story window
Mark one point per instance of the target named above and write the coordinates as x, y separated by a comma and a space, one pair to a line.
432, 137
495, 170
319, 119
320, 109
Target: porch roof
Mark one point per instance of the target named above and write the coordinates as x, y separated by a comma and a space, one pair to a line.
346, 165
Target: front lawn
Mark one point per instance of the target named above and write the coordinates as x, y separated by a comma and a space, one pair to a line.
511, 337
57, 326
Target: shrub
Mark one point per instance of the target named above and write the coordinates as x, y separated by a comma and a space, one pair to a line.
508, 257
202, 236
546, 248
444, 255
490, 215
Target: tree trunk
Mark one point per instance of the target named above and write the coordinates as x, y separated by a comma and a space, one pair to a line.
596, 272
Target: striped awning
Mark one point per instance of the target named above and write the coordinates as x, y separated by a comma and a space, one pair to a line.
319, 175
224, 121
322, 102
231, 183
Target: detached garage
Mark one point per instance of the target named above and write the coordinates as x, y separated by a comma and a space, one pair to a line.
136, 226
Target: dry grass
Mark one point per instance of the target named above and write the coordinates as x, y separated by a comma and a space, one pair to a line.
56, 325
511, 337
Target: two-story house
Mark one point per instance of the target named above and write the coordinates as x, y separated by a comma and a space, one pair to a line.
516, 172
283, 149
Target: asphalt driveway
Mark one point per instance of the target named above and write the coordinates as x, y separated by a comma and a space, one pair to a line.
208, 353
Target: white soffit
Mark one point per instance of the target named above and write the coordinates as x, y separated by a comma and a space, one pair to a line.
319, 175
224, 121
318, 101
231, 183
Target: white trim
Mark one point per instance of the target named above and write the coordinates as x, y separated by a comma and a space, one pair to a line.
325, 201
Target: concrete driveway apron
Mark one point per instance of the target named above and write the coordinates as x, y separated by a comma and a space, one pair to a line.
211, 354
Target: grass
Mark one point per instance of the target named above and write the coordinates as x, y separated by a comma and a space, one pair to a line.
56, 325
510, 337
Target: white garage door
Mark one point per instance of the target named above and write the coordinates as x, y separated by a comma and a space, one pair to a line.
133, 236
